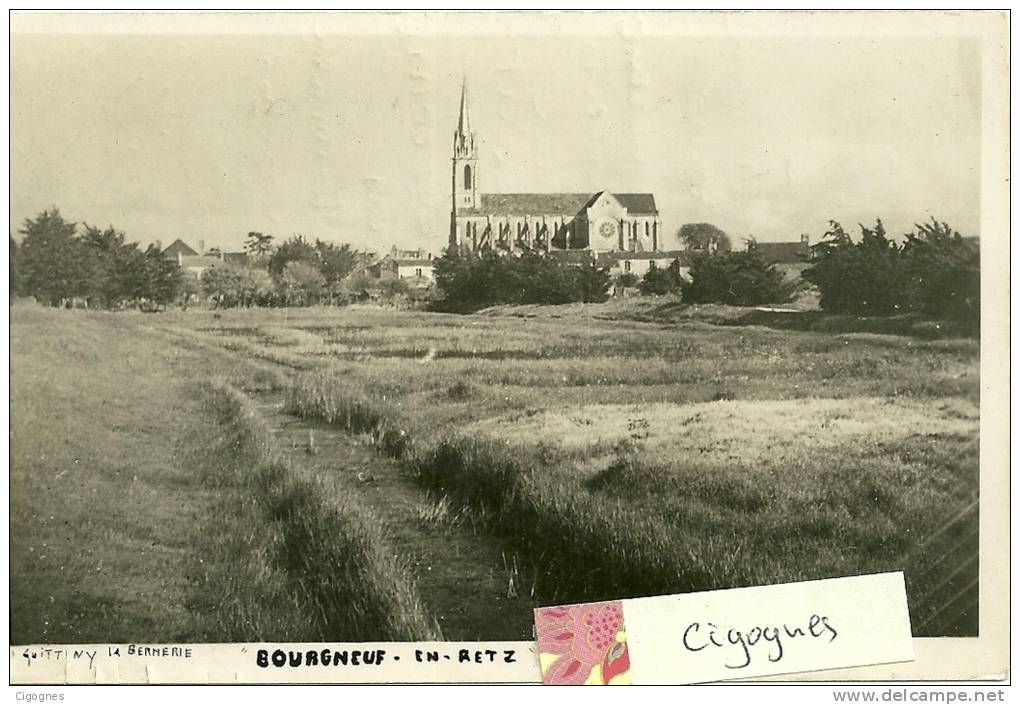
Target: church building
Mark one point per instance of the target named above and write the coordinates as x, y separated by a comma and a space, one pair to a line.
599, 222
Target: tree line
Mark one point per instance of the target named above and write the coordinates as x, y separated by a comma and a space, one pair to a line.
935, 271
297, 272
473, 280
58, 263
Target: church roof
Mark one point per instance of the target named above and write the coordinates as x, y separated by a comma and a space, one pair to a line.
559, 203
533, 203
637, 203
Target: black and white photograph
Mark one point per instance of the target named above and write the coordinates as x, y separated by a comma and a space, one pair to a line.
396, 327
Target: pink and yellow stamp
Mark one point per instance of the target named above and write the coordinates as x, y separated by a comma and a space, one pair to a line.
583, 644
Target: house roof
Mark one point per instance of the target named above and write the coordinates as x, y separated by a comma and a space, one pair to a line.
783, 252
200, 261
179, 247
406, 262
559, 203
606, 259
236, 257
420, 253
572, 256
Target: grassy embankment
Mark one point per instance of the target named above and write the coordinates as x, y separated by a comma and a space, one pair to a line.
318, 563
626, 458
148, 506
102, 507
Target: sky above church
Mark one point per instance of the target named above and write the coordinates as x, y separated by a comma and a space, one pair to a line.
348, 136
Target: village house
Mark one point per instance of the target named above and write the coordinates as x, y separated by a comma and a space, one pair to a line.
196, 262
621, 263
415, 266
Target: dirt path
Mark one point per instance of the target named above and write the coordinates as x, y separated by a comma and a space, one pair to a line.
464, 577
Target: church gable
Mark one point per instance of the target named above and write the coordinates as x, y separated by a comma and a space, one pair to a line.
605, 205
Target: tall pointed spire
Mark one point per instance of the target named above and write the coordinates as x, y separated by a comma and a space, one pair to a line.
464, 137
464, 124
465, 163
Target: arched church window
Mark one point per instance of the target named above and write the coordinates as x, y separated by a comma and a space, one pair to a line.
467, 176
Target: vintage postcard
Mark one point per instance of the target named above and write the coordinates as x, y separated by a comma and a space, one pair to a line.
341, 343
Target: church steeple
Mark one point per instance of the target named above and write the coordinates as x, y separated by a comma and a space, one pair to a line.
465, 160
464, 137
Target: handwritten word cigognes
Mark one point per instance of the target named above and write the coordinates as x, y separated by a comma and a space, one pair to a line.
700, 636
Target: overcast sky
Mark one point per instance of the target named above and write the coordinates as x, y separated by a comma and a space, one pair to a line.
348, 137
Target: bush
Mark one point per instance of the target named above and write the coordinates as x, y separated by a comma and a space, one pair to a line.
936, 272
627, 279
658, 281
942, 272
233, 285
736, 279
300, 283
862, 278
592, 284
469, 281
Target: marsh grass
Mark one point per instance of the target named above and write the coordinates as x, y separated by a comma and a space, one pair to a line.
438, 513
616, 490
298, 563
639, 527
627, 457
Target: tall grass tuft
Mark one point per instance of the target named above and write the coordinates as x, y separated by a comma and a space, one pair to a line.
581, 548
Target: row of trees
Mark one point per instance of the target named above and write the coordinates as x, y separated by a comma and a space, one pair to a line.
732, 278
55, 264
935, 271
471, 280
297, 272
300, 283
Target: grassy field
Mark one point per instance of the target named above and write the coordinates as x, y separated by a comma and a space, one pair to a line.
613, 450
148, 503
622, 456
103, 512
